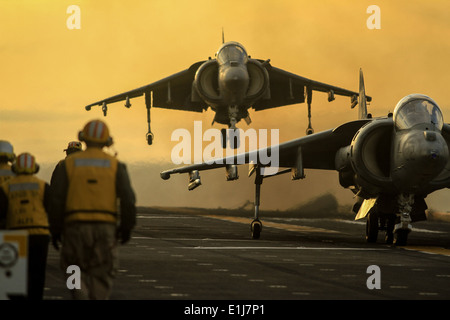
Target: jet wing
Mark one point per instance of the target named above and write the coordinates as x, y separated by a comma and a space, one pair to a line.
317, 151
173, 92
287, 88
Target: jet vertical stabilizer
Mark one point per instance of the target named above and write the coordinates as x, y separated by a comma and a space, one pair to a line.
362, 114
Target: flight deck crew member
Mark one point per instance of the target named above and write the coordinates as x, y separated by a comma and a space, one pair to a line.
84, 212
7, 157
72, 147
24, 203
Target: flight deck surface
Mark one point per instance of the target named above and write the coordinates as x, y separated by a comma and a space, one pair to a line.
194, 254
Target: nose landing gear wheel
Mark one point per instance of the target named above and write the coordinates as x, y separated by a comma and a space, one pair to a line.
256, 228
231, 137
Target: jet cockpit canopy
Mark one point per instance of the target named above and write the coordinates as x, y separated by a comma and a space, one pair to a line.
417, 109
231, 52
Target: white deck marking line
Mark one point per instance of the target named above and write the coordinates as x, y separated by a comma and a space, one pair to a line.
283, 248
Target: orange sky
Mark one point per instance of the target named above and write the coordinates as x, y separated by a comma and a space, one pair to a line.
49, 73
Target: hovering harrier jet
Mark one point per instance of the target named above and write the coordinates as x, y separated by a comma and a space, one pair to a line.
391, 163
230, 84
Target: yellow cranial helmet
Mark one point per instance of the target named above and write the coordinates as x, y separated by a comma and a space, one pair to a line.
25, 164
6, 150
96, 131
73, 145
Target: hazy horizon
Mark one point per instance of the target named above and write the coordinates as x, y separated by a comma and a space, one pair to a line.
50, 73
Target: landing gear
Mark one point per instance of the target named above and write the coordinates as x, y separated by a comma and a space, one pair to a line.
390, 222
372, 226
232, 135
397, 225
309, 130
148, 103
403, 228
256, 225
376, 222
401, 237
256, 228
149, 136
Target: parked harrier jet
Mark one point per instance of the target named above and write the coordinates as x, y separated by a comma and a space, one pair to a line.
391, 163
230, 84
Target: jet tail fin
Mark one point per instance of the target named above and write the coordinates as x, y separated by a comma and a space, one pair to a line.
362, 114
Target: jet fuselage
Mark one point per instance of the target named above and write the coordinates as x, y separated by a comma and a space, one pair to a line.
231, 83
233, 77
419, 151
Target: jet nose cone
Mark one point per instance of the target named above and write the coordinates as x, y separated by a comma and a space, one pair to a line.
236, 79
432, 152
421, 157
428, 151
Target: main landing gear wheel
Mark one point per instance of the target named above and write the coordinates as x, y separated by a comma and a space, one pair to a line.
401, 237
390, 223
372, 227
256, 228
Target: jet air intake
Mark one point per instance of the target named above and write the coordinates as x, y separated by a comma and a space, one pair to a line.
231, 84
364, 165
369, 154
206, 82
259, 81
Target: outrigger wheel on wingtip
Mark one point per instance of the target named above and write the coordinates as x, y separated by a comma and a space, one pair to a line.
149, 136
309, 130
256, 228
256, 225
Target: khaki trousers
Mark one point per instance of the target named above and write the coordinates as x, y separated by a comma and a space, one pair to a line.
92, 246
